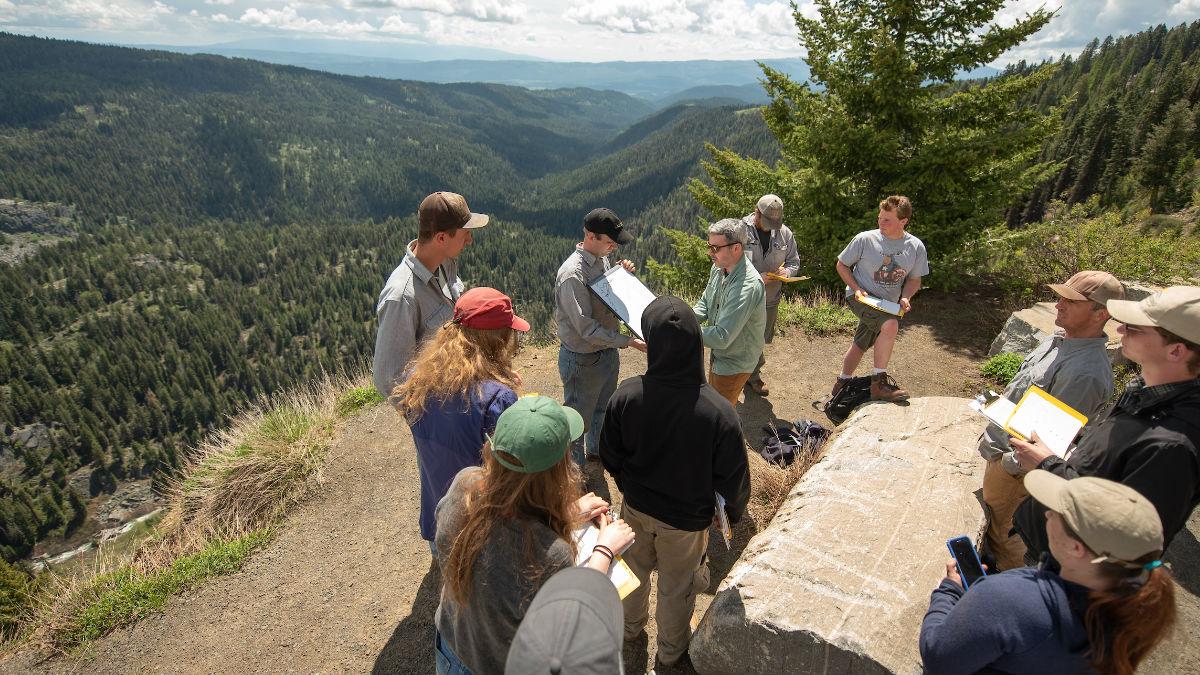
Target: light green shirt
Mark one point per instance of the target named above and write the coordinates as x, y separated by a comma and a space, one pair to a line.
733, 316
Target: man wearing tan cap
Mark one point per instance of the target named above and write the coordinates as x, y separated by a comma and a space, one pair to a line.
1072, 365
772, 250
420, 294
1150, 438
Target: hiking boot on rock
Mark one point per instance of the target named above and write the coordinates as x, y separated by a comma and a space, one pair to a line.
884, 388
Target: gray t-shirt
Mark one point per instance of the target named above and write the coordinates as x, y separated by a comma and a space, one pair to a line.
519, 556
880, 265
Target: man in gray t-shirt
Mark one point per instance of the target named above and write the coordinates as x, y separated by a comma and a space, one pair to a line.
887, 263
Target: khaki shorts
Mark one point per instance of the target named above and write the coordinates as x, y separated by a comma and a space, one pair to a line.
870, 322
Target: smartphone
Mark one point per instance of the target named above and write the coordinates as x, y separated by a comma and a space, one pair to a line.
969, 567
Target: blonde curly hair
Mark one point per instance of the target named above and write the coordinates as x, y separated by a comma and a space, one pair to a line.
455, 362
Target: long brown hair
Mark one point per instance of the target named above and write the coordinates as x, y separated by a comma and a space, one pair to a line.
1128, 619
454, 362
518, 499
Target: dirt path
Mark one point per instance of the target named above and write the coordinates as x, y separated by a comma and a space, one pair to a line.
347, 585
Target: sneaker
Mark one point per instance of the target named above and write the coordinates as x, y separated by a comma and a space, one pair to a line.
884, 388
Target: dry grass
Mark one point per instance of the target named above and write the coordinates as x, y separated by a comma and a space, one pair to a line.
770, 485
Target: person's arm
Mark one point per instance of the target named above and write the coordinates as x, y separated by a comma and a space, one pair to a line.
614, 538
1165, 474
791, 257
963, 631
1084, 390
911, 285
395, 343
731, 473
612, 443
700, 309
732, 318
1035, 454
503, 399
847, 276
572, 297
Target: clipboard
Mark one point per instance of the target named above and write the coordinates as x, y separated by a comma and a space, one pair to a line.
787, 280
723, 521
625, 295
1056, 423
619, 573
880, 304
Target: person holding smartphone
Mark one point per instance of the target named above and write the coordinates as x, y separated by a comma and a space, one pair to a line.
1110, 604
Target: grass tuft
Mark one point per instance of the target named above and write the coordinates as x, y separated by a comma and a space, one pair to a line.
356, 399
1002, 368
819, 312
771, 483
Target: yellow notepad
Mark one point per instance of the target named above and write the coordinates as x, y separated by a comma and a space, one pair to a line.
619, 573
1055, 422
787, 280
880, 304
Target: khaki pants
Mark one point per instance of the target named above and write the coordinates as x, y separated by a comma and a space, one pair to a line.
728, 386
678, 555
1003, 493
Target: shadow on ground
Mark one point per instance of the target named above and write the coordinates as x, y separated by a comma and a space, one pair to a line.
417, 628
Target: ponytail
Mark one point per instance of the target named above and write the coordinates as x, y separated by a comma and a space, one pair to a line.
1125, 622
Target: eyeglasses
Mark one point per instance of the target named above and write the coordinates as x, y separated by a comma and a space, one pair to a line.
714, 249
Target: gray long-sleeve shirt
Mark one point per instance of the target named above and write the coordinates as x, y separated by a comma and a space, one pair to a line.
1076, 371
781, 251
414, 303
585, 325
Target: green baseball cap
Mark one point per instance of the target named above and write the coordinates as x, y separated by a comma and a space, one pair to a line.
536, 430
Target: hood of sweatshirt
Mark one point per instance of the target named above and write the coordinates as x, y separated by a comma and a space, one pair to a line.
674, 351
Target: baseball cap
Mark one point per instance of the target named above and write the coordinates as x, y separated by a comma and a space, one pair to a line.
487, 309
1176, 309
536, 430
770, 210
447, 211
604, 221
574, 625
1091, 285
1112, 519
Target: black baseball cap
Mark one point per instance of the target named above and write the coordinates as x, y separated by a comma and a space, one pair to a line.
604, 221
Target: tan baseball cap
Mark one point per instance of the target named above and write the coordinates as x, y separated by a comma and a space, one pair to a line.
770, 210
447, 211
1176, 309
1112, 519
1091, 285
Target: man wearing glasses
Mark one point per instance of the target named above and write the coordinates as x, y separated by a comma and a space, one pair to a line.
732, 310
1150, 438
1072, 365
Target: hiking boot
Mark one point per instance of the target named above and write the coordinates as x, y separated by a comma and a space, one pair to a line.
837, 386
884, 388
759, 387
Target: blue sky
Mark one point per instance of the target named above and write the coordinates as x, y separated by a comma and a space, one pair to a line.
573, 30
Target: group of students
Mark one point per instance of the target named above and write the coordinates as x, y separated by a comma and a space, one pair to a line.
502, 495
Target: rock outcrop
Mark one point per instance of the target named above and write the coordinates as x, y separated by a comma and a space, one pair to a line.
840, 579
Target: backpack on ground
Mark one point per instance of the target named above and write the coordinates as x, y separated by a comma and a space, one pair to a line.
788, 442
854, 393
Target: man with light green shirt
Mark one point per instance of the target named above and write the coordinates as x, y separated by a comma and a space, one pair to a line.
732, 311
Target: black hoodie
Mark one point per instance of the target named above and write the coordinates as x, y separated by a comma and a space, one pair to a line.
669, 439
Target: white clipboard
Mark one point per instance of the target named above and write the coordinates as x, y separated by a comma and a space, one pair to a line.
625, 295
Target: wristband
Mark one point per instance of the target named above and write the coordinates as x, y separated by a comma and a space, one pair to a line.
604, 551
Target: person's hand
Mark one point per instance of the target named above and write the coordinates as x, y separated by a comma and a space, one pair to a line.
906, 305
627, 265
954, 577
766, 276
639, 345
517, 379
590, 506
781, 272
1031, 453
617, 535
860, 293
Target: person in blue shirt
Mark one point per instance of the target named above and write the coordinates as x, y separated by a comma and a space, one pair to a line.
1108, 606
460, 382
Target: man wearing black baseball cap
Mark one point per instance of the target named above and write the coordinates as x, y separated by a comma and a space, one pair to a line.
420, 294
589, 331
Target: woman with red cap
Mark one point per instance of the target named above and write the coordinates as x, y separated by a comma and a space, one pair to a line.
460, 382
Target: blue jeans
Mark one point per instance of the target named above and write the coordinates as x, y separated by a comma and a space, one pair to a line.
589, 380
447, 662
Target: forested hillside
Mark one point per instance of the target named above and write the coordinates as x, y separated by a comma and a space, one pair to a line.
226, 226
1130, 133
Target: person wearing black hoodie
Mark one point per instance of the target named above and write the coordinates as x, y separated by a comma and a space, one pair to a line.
670, 441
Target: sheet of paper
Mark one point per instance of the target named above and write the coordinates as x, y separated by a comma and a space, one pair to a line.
618, 573
998, 411
625, 295
880, 304
723, 520
1055, 422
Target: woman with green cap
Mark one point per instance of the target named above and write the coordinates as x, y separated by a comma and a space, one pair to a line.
504, 528
1110, 603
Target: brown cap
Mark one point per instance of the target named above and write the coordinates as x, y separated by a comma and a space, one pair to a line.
1091, 285
1112, 519
447, 211
1176, 309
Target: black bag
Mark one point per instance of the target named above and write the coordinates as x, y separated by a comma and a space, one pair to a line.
854, 393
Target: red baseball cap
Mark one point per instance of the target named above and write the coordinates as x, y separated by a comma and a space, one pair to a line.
487, 309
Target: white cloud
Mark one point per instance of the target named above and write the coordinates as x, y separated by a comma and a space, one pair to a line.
635, 16
396, 25
731, 18
503, 11
289, 20
218, 2
221, 18
1186, 8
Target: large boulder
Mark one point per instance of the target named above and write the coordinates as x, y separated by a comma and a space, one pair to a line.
1181, 652
840, 579
1027, 327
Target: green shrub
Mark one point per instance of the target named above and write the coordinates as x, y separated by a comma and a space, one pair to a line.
820, 312
1002, 368
356, 399
688, 275
14, 599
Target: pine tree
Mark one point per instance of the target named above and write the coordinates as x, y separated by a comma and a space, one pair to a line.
883, 119
1163, 155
